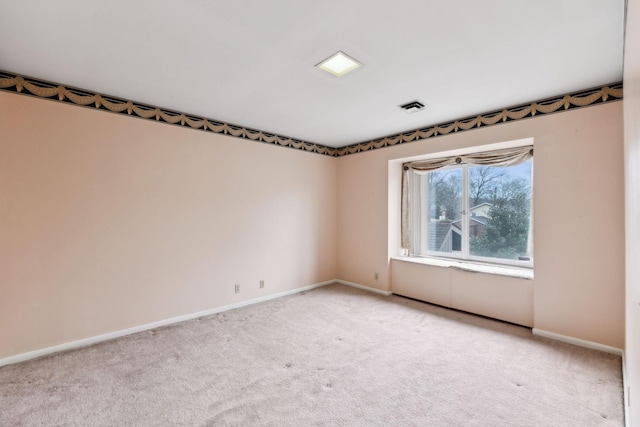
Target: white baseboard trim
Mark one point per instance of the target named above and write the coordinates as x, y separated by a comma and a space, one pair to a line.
366, 288
596, 346
124, 332
577, 341
625, 393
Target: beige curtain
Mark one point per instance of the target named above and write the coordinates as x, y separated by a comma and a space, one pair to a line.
506, 157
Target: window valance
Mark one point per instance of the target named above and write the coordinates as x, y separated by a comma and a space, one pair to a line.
504, 157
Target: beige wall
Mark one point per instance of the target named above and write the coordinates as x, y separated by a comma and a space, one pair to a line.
632, 196
578, 288
108, 222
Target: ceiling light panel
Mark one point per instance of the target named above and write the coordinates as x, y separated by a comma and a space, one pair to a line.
339, 64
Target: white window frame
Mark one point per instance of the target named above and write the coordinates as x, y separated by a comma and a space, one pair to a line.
419, 227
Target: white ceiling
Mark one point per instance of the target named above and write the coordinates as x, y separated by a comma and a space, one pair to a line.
251, 63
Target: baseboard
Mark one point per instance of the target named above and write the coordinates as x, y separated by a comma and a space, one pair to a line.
366, 288
124, 332
578, 342
625, 393
601, 347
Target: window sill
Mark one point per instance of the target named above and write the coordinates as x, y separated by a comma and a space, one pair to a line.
500, 270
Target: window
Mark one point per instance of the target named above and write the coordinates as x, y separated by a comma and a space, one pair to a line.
475, 207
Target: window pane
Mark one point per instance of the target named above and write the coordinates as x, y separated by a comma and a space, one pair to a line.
444, 205
500, 211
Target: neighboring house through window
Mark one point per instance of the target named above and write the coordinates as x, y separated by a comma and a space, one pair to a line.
474, 207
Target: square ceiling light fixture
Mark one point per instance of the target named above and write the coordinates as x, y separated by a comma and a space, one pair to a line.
339, 64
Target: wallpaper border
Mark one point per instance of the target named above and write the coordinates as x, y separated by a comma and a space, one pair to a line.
16, 83
66, 94
583, 98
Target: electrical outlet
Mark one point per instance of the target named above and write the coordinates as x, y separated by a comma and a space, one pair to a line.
375, 275
237, 288
262, 283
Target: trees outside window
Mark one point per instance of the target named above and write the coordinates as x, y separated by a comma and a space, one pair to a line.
476, 212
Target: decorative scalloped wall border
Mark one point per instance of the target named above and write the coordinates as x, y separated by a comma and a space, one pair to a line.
57, 92
585, 98
30, 86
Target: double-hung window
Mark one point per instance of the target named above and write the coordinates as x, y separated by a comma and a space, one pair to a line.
475, 207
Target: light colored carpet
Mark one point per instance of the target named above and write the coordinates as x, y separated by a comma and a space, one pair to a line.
334, 356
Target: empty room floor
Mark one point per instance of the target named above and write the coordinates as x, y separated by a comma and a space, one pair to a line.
333, 356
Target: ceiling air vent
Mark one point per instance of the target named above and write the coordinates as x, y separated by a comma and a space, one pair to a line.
412, 107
